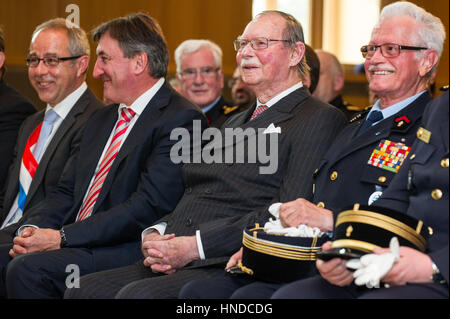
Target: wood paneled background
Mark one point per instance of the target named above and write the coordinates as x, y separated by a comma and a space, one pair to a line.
220, 21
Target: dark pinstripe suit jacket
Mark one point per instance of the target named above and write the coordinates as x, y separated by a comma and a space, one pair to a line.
220, 200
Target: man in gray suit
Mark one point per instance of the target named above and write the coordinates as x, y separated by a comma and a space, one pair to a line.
57, 66
221, 198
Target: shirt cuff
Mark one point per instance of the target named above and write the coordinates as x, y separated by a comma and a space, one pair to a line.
201, 253
160, 228
23, 227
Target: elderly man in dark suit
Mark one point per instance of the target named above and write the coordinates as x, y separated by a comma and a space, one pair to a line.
120, 178
353, 169
221, 198
14, 109
57, 66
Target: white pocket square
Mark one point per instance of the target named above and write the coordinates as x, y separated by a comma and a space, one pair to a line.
272, 129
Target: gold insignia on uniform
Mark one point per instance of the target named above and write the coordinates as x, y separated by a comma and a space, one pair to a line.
349, 231
382, 179
321, 204
436, 194
423, 135
334, 176
444, 162
229, 109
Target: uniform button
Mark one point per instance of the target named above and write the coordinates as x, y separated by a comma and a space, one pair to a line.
334, 175
436, 194
382, 179
444, 163
189, 222
321, 204
188, 190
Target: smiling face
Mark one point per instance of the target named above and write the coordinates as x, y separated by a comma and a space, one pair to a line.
53, 84
268, 71
397, 78
202, 90
114, 69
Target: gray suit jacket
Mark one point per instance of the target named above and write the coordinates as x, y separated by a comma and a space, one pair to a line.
53, 160
221, 199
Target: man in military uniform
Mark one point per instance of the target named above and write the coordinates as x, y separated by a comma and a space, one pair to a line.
367, 154
241, 94
331, 83
199, 70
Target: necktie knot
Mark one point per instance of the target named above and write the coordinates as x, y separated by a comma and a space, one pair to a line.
127, 114
259, 109
50, 117
374, 117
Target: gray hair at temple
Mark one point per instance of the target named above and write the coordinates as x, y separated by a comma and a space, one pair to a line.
294, 33
431, 30
2, 49
193, 45
138, 33
78, 40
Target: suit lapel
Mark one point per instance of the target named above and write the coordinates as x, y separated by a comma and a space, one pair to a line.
65, 126
137, 136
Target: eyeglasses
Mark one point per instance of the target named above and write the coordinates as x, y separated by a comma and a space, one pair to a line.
206, 72
256, 44
49, 61
388, 50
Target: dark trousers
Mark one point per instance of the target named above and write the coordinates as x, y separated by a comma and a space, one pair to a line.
225, 286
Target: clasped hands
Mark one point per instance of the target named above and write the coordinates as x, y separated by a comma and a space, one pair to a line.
168, 253
32, 240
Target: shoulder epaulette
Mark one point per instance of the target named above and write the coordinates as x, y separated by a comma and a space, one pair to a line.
229, 109
360, 114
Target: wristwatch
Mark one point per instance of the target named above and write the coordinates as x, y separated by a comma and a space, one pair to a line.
437, 276
63, 238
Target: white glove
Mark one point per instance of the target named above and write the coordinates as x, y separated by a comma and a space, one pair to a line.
372, 267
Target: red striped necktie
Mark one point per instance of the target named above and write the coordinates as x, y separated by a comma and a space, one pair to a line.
113, 149
258, 111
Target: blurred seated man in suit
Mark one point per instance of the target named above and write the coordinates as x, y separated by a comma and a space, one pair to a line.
221, 198
350, 171
14, 109
121, 176
421, 190
331, 83
200, 75
57, 64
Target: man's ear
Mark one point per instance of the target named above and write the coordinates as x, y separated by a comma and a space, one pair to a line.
82, 63
298, 50
2, 59
428, 59
140, 62
338, 82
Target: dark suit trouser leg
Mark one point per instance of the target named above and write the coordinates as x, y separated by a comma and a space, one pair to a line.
4, 260
46, 274
315, 288
222, 286
409, 291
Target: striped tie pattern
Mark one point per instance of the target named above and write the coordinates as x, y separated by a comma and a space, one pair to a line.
258, 111
113, 149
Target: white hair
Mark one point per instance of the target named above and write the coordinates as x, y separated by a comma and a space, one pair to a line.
431, 32
193, 45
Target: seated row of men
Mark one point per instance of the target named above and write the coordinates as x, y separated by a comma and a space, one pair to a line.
97, 187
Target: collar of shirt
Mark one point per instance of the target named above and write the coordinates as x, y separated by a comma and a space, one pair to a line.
281, 95
394, 108
209, 107
63, 108
141, 102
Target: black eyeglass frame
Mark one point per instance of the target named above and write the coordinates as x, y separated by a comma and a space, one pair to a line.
365, 49
28, 60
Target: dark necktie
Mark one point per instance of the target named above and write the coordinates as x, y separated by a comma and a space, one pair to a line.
373, 117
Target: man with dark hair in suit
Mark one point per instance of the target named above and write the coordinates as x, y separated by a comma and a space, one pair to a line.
57, 66
221, 198
121, 177
14, 109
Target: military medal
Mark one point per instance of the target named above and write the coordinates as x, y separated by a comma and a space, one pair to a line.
389, 155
